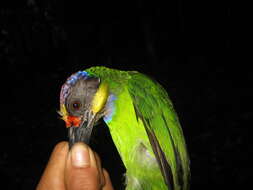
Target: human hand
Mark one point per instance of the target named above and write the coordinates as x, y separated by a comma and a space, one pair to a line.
75, 169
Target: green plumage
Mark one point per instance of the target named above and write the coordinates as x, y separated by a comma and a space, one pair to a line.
146, 132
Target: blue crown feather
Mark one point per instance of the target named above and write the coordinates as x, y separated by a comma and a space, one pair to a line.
73, 78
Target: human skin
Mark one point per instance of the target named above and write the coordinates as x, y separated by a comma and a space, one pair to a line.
75, 169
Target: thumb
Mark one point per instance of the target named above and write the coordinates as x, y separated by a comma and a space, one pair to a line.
82, 171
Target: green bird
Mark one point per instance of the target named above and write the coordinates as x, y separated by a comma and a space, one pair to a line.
141, 119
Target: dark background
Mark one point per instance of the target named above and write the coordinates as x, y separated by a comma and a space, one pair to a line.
43, 42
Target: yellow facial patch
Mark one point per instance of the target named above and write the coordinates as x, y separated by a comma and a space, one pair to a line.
100, 98
63, 112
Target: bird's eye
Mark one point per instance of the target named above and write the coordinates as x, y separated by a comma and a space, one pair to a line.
76, 105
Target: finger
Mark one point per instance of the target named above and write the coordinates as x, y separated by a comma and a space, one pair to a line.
108, 183
53, 176
82, 171
101, 175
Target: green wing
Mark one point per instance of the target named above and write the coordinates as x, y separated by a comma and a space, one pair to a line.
153, 107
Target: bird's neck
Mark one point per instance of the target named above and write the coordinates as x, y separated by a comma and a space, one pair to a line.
110, 108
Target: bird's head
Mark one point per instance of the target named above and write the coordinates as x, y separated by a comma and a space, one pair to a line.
82, 103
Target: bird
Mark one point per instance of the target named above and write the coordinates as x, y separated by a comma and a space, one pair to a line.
141, 119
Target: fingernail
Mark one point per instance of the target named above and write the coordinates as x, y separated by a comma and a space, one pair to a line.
80, 155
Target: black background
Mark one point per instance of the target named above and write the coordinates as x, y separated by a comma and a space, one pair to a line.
43, 42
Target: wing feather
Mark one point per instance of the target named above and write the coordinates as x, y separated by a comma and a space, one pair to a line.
159, 154
153, 107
